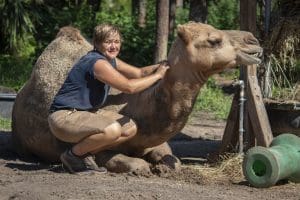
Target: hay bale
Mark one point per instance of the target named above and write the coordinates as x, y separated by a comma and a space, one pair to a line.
283, 55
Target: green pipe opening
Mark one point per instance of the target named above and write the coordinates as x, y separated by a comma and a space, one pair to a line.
259, 168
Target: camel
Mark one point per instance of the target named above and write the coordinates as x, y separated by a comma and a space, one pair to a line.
160, 111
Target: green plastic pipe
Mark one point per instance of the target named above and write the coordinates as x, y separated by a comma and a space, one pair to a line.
264, 167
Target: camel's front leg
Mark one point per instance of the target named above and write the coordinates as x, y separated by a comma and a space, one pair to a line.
162, 154
120, 163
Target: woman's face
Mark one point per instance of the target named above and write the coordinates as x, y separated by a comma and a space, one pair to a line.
110, 47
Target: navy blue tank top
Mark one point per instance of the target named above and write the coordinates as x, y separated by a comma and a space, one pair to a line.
81, 90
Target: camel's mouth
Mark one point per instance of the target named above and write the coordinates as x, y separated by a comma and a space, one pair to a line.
249, 58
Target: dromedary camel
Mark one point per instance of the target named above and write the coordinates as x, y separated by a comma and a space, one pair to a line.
160, 111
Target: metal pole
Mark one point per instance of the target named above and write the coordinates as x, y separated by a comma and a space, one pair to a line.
241, 120
241, 114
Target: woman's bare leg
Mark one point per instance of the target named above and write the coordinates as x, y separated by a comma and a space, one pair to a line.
113, 135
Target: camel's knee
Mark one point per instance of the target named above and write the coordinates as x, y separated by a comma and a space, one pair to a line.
113, 131
171, 161
130, 130
120, 163
156, 154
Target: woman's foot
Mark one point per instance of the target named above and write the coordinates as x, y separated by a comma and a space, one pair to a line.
76, 164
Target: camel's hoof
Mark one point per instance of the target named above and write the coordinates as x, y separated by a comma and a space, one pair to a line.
145, 172
171, 161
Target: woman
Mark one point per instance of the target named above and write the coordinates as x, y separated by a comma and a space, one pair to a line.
75, 115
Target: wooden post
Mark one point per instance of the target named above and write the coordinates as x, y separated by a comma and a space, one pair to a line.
231, 130
249, 138
258, 114
248, 15
256, 124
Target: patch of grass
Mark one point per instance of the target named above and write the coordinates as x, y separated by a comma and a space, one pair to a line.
212, 99
5, 124
281, 93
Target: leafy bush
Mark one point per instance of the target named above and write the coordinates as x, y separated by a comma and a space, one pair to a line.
15, 71
223, 14
5, 124
212, 99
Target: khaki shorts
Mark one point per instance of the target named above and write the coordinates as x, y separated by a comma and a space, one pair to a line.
73, 126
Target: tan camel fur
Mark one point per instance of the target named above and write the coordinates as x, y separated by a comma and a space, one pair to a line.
160, 111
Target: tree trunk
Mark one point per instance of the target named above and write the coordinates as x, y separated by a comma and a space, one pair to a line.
179, 3
248, 15
198, 11
142, 13
289, 8
138, 11
134, 7
162, 30
172, 16
95, 6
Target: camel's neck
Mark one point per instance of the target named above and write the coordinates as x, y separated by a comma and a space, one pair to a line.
183, 85
167, 105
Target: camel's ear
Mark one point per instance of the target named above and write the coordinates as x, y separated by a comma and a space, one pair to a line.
184, 34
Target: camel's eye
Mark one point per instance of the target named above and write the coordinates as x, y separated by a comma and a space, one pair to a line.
214, 41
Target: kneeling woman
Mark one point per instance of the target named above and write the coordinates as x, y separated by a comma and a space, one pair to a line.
76, 116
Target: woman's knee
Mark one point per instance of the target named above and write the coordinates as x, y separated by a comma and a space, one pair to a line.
113, 131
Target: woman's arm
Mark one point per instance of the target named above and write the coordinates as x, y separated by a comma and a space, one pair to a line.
104, 72
133, 72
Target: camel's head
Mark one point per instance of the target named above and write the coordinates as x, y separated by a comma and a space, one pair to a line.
211, 50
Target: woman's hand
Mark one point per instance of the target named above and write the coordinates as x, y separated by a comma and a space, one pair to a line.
162, 69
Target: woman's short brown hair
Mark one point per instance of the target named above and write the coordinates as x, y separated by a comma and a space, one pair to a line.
103, 31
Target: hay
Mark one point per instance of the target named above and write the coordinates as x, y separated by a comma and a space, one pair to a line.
283, 55
229, 167
296, 96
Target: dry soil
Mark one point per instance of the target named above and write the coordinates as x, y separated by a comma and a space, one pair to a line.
32, 180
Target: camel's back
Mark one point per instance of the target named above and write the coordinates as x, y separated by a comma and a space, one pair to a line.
31, 134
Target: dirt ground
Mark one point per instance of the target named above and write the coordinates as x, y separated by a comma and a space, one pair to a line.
32, 180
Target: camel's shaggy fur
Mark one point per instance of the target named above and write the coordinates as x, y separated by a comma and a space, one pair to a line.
160, 111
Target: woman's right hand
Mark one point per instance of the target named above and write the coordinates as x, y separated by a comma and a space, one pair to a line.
162, 69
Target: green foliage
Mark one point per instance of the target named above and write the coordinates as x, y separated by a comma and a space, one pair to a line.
80, 16
282, 93
116, 6
15, 67
212, 99
5, 124
16, 23
84, 19
56, 14
182, 15
15, 71
223, 14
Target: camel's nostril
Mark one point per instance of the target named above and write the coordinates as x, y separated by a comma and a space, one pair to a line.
251, 40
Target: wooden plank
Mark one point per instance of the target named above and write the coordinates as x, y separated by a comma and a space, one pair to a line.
231, 129
257, 111
250, 140
284, 105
